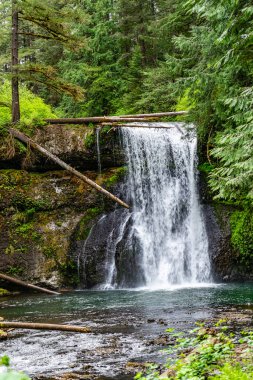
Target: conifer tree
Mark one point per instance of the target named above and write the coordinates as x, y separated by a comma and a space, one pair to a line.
33, 21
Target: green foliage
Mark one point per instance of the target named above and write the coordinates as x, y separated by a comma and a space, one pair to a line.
233, 178
10, 374
241, 228
148, 56
33, 109
14, 271
229, 372
206, 353
23, 203
5, 360
206, 167
216, 58
90, 140
185, 102
3, 292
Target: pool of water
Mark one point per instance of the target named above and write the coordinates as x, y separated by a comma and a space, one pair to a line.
125, 325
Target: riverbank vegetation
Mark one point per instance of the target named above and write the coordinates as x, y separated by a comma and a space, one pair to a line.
216, 352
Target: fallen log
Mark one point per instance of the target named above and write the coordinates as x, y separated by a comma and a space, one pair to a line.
156, 115
101, 119
26, 285
22, 137
117, 125
94, 120
44, 326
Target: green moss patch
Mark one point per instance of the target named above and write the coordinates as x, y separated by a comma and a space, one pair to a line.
115, 177
85, 223
241, 223
3, 293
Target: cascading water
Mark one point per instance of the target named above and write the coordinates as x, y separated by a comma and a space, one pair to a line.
167, 218
162, 241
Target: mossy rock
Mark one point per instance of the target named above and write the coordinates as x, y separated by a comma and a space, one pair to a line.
4, 293
116, 177
241, 223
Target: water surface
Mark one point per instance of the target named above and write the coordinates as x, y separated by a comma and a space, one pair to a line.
125, 324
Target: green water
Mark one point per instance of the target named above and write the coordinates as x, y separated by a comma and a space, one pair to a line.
124, 325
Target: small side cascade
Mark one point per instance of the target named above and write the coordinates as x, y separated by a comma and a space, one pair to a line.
98, 149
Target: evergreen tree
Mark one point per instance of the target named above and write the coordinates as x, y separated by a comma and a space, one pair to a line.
31, 20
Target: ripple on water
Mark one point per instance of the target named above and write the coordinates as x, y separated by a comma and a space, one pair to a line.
124, 322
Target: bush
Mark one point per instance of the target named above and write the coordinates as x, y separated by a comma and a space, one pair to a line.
32, 107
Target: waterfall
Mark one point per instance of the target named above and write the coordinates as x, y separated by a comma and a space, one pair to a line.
162, 240
167, 218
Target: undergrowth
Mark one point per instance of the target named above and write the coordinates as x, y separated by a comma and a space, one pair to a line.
206, 353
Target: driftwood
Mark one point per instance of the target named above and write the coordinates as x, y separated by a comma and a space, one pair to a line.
25, 284
22, 137
101, 119
44, 326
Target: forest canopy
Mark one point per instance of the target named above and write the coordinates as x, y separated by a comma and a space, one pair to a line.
127, 56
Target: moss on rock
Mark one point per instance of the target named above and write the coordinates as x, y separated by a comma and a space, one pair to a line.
4, 293
241, 223
39, 213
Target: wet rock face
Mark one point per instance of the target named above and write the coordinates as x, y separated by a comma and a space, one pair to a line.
77, 145
40, 207
226, 261
93, 255
107, 257
39, 214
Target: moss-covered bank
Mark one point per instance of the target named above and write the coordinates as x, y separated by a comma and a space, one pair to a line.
39, 213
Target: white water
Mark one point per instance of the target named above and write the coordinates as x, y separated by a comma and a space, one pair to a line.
167, 218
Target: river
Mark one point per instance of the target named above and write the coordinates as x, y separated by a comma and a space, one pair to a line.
128, 326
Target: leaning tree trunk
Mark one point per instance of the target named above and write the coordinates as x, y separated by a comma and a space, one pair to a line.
22, 137
14, 65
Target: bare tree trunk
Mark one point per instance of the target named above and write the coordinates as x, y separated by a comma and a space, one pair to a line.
22, 137
14, 65
25, 284
44, 326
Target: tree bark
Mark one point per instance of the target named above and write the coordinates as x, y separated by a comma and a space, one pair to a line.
22, 137
44, 326
84, 120
101, 119
25, 284
14, 65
